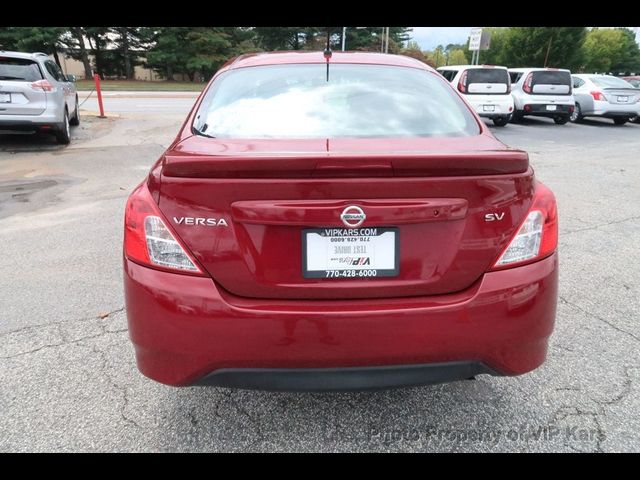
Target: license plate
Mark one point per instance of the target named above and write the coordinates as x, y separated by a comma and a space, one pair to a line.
551, 107
623, 99
350, 252
5, 97
488, 108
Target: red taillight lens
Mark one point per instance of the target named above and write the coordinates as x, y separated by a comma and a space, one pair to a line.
526, 86
537, 237
42, 85
462, 83
598, 96
149, 241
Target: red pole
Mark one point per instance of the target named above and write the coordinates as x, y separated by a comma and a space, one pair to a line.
96, 78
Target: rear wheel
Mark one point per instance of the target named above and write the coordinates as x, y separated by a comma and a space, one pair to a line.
516, 117
63, 135
561, 120
635, 119
500, 121
576, 116
620, 121
75, 121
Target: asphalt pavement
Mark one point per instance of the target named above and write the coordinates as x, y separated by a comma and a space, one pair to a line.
69, 381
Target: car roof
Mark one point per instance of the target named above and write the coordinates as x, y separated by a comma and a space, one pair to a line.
527, 69
29, 56
460, 67
298, 57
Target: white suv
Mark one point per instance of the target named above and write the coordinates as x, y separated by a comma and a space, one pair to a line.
543, 92
36, 95
485, 87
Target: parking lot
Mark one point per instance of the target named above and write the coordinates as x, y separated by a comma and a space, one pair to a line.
67, 370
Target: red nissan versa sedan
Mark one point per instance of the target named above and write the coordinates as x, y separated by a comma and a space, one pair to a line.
336, 223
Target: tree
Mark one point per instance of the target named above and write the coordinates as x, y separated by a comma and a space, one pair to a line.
33, 39
437, 56
545, 47
76, 48
413, 50
280, 38
495, 55
611, 50
97, 38
457, 57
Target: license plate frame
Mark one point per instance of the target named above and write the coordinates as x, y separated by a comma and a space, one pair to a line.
361, 270
5, 97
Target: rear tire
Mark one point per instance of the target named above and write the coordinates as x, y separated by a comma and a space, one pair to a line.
63, 135
635, 119
561, 120
516, 117
620, 121
576, 116
75, 121
500, 121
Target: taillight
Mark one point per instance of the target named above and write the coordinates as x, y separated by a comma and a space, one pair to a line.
148, 240
43, 85
598, 96
526, 86
537, 237
462, 83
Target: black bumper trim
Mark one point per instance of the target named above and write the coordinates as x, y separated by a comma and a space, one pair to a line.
343, 379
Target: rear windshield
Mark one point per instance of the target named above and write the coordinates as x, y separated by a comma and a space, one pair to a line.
297, 101
19, 69
551, 78
611, 82
487, 75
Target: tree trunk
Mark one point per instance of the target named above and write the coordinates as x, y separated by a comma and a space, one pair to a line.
97, 53
125, 51
77, 33
169, 73
56, 57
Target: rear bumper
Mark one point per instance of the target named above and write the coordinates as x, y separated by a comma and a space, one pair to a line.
51, 117
188, 331
502, 105
345, 378
541, 110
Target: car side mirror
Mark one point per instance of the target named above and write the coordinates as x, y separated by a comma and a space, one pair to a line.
71, 78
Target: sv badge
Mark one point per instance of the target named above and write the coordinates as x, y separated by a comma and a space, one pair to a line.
492, 217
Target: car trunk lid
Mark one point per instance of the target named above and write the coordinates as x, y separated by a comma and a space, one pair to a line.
551, 82
429, 201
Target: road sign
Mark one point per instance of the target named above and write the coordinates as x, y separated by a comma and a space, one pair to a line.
474, 39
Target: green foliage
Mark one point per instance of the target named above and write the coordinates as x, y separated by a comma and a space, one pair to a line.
559, 47
611, 50
457, 57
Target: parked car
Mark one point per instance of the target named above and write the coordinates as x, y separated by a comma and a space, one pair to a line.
335, 224
635, 81
605, 96
542, 92
36, 96
486, 87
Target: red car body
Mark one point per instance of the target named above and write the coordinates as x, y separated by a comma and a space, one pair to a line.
248, 317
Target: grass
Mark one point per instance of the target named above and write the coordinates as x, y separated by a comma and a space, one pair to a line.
140, 86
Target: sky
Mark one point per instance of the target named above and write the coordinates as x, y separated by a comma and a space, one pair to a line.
430, 37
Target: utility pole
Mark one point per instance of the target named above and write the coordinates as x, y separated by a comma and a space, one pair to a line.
344, 37
546, 57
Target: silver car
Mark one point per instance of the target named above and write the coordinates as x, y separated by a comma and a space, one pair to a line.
604, 96
36, 96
